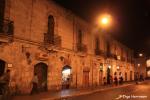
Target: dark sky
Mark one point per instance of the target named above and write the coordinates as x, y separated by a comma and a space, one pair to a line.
131, 19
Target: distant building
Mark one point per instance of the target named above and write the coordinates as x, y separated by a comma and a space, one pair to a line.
140, 64
148, 68
39, 36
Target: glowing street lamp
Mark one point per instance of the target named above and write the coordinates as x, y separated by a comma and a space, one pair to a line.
104, 20
140, 54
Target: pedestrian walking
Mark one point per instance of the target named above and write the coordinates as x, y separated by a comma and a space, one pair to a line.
104, 80
116, 80
111, 80
136, 78
120, 80
34, 84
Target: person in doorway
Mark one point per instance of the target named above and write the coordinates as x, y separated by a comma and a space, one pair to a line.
68, 83
120, 80
104, 80
116, 80
34, 84
136, 78
111, 80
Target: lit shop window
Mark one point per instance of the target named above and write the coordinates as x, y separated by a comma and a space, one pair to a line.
148, 73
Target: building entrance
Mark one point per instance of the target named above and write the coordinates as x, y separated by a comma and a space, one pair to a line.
66, 77
2, 67
41, 70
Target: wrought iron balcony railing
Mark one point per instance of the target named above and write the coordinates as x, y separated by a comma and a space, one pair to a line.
81, 47
100, 52
6, 27
55, 41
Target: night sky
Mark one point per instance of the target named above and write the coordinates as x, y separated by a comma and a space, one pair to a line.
131, 18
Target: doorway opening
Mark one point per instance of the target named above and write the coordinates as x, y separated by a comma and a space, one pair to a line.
2, 67
41, 70
131, 75
66, 77
108, 74
86, 78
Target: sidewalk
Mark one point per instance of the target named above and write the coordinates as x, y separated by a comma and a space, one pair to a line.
57, 95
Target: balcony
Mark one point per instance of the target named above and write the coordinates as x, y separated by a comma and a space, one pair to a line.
108, 54
52, 42
115, 56
123, 59
99, 52
81, 47
6, 31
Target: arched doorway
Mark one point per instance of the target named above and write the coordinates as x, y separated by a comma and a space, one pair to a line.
41, 70
108, 74
2, 67
66, 77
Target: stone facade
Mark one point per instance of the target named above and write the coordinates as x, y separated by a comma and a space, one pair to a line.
140, 65
28, 46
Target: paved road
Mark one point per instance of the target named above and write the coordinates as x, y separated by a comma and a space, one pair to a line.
133, 92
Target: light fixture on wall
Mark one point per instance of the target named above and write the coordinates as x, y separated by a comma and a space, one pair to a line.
118, 67
109, 67
138, 65
101, 67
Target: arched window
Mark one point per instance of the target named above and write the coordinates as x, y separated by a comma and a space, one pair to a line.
50, 33
97, 43
2, 8
80, 34
108, 48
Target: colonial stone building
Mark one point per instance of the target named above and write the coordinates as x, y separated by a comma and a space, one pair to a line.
39, 36
141, 65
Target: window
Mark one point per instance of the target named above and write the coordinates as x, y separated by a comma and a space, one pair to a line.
2, 7
108, 47
80, 36
97, 43
50, 33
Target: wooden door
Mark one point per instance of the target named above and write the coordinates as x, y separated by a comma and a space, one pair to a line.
100, 78
41, 70
86, 78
